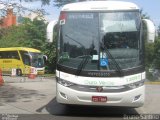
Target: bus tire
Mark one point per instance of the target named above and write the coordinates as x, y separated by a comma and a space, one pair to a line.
19, 72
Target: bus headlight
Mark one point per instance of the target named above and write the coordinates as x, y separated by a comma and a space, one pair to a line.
64, 82
136, 84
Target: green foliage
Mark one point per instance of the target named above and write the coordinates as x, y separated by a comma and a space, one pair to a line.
159, 30
28, 34
35, 31
11, 36
152, 54
149, 54
59, 3
144, 15
152, 58
157, 54
44, 2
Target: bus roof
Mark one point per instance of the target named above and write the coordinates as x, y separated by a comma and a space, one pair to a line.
100, 5
20, 48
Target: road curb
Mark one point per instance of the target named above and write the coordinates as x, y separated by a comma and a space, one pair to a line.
152, 83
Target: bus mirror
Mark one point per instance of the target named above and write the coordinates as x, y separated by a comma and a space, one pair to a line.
45, 58
28, 56
50, 31
151, 30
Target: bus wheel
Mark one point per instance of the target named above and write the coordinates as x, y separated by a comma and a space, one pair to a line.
19, 72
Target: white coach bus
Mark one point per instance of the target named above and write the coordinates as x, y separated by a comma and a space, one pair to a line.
100, 53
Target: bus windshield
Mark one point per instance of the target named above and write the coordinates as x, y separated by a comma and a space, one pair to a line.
98, 36
37, 60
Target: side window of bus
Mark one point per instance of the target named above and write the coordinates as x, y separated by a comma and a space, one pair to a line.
9, 55
1, 54
25, 58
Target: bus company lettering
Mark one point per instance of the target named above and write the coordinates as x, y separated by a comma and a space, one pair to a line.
98, 82
7, 61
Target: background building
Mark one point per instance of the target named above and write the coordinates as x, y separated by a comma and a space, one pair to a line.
9, 19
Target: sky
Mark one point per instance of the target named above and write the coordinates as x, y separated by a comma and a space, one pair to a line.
151, 7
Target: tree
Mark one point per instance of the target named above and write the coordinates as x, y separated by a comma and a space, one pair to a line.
149, 54
156, 53
28, 34
159, 31
20, 9
144, 15
60, 3
12, 36
35, 31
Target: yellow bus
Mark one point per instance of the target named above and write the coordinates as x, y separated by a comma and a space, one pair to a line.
21, 59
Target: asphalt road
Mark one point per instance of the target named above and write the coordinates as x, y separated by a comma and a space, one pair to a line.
27, 99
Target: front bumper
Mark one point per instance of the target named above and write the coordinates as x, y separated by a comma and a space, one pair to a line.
40, 72
131, 98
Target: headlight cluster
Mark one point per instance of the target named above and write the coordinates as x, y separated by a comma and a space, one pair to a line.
136, 84
64, 82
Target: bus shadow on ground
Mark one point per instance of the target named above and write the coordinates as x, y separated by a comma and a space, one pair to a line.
57, 109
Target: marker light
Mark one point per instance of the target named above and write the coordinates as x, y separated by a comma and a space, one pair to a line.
63, 16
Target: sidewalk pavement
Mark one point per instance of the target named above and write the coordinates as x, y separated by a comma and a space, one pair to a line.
9, 79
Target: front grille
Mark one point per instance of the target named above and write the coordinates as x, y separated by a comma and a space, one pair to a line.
105, 89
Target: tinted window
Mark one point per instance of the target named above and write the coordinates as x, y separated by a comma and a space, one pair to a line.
79, 39
91, 39
25, 58
37, 60
9, 55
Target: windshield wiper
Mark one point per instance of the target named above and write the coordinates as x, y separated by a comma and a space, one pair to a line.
115, 62
82, 64
84, 60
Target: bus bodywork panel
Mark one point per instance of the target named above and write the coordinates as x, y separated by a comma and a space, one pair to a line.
80, 90
69, 96
100, 5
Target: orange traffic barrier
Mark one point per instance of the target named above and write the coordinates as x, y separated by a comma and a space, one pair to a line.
33, 73
1, 79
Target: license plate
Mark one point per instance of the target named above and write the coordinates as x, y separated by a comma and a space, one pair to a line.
99, 99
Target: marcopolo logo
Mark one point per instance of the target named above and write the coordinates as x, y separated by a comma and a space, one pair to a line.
99, 89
